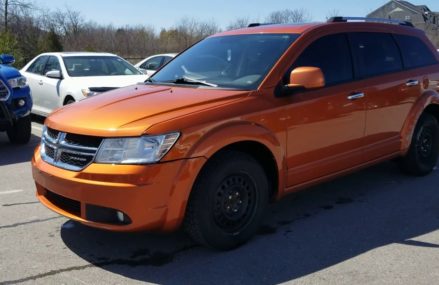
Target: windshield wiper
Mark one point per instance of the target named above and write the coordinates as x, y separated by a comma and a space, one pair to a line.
187, 80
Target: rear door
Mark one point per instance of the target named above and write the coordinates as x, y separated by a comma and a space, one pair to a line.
387, 89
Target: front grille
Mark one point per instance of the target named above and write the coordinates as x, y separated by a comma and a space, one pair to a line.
50, 151
4, 91
69, 205
80, 140
75, 159
53, 134
68, 151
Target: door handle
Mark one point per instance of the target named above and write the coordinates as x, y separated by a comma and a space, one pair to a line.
40, 82
412, 82
355, 96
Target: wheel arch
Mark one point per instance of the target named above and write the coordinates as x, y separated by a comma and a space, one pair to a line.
66, 98
428, 102
253, 139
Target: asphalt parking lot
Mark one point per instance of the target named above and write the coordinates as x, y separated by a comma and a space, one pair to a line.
376, 226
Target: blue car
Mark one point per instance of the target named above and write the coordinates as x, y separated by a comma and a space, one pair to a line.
15, 102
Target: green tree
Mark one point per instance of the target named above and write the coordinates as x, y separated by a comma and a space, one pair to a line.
51, 42
9, 45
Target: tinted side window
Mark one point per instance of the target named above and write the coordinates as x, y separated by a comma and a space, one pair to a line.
414, 52
153, 63
375, 53
52, 64
38, 65
167, 59
332, 55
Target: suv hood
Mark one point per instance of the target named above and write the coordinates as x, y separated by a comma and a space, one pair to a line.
130, 111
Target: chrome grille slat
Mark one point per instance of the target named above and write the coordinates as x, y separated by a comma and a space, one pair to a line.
70, 155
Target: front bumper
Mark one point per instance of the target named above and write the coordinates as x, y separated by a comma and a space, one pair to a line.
151, 197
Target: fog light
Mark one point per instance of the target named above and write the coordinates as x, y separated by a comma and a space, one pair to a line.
120, 216
21, 103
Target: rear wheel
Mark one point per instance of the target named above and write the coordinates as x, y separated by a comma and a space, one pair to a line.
228, 201
424, 149
20, 132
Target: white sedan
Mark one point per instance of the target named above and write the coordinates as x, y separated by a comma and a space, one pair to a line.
57, 79
151, 64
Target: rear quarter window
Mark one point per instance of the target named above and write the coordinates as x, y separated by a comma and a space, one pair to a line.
375, 54
415, 52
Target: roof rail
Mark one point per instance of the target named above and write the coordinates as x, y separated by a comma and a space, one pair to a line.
251, 25
373, 20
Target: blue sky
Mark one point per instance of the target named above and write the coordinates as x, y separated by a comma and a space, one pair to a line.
165, 13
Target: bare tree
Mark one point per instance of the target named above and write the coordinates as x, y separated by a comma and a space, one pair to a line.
238, 24
13, 7
288, 16
332, 13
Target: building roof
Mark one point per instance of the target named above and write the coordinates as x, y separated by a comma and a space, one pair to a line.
421, 9
417, 8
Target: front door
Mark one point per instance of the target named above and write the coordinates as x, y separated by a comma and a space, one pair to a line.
51, 86
325, 127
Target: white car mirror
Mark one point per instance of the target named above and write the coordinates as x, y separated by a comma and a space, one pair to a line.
54, 74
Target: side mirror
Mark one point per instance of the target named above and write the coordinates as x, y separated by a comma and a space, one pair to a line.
7, 59
56, 74
306, 77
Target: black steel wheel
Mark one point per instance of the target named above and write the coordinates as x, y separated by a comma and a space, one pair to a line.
228, 201
423, 153
235, 202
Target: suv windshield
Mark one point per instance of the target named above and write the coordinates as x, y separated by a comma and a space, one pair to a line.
239, 61
98, 66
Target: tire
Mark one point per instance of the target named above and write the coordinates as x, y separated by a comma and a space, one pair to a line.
423, 153
20, 132
228, 201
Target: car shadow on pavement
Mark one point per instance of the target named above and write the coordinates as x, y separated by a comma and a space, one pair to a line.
11, 154
302, 234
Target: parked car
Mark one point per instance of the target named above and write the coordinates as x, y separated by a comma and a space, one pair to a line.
58, 79
15, 102
151, 64
240, 119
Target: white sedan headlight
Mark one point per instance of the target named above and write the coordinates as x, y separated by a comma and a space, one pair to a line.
88, 93
18, 82
138, 150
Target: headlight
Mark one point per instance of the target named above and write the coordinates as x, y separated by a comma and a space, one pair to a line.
18, 82
140, 150
88, 93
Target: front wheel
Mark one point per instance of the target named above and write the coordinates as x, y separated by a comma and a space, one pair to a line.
423, 153
228, 201
69, 101
20, 132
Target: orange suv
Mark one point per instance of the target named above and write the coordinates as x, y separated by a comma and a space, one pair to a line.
240, 119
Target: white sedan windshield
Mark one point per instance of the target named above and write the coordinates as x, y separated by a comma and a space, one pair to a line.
78, 66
